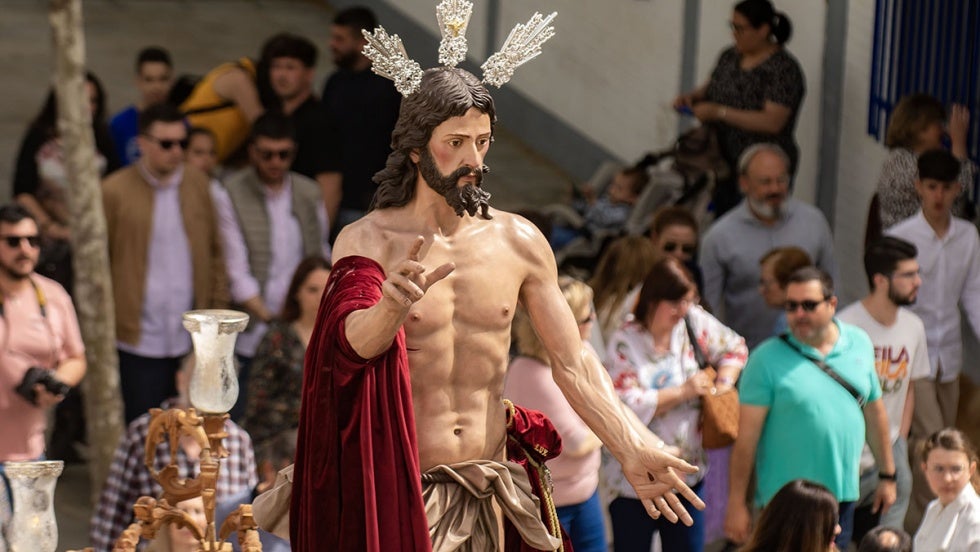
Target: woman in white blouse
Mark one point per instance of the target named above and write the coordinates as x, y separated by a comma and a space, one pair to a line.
652, 365
952, 521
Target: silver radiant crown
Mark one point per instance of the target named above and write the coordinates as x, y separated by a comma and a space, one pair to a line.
522, 45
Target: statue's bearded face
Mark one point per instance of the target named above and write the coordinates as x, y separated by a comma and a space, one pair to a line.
467, 197
452, 163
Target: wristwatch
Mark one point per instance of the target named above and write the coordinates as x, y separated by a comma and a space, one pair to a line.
887, 476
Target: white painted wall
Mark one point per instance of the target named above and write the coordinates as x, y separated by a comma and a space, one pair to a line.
860, 155
610, 72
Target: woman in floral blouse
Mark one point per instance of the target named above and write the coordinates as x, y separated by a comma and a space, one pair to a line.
276, 379
652, 365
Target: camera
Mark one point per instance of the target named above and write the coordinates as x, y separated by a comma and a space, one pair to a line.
36, 375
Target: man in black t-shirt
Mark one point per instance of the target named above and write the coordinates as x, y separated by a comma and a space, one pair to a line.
289, 61
364, 108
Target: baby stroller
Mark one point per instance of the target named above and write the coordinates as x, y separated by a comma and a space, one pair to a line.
681, 175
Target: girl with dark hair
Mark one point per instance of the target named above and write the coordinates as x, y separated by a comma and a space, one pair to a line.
801, 517
276, 377
652, 363
41, 178
754, 93
952, 520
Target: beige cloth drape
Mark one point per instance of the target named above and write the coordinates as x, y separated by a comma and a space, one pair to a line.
458, 502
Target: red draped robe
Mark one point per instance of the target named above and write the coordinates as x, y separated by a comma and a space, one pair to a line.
356, 484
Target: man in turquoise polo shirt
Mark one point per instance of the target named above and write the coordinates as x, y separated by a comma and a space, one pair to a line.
800, 421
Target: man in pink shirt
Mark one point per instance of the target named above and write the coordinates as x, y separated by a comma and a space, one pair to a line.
41, 351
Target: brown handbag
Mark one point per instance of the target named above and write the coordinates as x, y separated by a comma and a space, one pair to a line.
719, 412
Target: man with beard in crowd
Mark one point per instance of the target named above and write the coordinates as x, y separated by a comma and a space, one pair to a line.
766, 218
363, 107
901, 358
405, 370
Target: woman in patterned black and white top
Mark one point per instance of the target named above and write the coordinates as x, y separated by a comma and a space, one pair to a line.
754, 93
653, 368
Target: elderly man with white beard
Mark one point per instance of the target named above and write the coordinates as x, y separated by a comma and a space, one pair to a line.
766, 218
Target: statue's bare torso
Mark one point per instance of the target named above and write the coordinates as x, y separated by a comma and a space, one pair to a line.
458, 334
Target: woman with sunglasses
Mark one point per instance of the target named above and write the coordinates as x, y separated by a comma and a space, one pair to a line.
918, 124
652, 363
754, 93
952, 520
674, 231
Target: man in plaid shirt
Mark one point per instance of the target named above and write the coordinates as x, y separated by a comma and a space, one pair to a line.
129, 479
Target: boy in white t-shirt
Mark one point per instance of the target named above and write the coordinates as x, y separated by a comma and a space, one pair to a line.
899, 340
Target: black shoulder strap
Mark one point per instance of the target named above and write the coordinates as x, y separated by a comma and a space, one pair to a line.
827, 370
699, 355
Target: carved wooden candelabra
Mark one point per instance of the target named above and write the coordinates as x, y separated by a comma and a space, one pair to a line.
213, 391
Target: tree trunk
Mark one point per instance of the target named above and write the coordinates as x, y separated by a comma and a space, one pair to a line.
93, 285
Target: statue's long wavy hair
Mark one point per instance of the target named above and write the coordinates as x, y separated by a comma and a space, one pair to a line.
445, 92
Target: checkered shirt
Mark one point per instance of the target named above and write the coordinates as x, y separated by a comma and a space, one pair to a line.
129, 479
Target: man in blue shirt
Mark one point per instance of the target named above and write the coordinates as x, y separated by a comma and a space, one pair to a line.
806, 399
154, 76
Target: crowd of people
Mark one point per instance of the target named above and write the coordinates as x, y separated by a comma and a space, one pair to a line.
231, 193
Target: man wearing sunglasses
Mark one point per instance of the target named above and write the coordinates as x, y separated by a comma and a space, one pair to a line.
766, 218
809, 401
41, 350
164, 255
270, 219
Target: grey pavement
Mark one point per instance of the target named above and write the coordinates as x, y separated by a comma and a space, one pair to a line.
200, 34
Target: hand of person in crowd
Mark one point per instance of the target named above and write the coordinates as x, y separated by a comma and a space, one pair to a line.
885, 496
45, 398
699, 384
738, 522
684, 100
57, 231
958, 127
408, 280
708, 111
653, 474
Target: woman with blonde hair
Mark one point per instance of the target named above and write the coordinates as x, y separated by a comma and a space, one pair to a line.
529, 383
620, 271
952, 520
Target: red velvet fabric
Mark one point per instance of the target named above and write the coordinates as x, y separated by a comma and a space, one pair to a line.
356, 485
532, 440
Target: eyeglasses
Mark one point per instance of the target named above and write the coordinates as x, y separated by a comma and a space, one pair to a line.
672, 247
954, 470
267, 155
15, 241
808, 305
168, 144
736, 28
